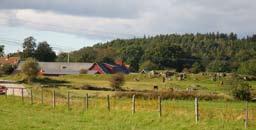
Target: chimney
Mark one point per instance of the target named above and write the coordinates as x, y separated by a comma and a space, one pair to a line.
119, 62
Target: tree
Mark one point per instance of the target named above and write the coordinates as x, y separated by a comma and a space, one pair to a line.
1, 50
105, 55
132, 55
87, 54
44, 52
197, 67
6, 69
30, 69
29, 46
62, 57
241, 90
167, 56
117, 81
106, 59
218, 66
162, 49
248, 67
148, 65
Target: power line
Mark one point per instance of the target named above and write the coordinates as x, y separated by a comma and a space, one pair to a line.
15, 42
88, 31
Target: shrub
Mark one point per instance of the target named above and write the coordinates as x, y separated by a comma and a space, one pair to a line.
117, 81
83, 71
148, 65
241, 91
6, 69
218, 66
197, 67
30, 69
171, 94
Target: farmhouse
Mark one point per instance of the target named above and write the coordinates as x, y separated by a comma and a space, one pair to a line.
9, 60
65, 68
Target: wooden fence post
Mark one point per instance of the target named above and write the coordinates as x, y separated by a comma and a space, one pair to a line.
54, 99
13, 91
196, 110
42, 95
31, 96
108, 103
160, 106
133, 104
86, 102
22, 94
246, 116
6, 91
68, 100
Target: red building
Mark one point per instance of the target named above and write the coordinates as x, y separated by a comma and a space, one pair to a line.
108, 68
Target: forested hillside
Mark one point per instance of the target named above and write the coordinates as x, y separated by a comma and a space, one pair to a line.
217, 52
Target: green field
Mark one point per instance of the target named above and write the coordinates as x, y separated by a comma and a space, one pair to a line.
74, 82
177, 114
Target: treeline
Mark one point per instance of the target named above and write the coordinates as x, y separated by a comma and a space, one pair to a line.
215, 52
41, 51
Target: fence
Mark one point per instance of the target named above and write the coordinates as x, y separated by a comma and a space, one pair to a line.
200, 110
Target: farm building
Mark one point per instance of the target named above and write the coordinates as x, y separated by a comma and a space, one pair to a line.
65, 68
109, 69
9, 60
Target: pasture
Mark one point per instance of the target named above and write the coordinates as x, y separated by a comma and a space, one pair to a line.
176, 114
137, 82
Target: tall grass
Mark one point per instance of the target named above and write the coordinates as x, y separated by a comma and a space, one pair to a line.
177, 114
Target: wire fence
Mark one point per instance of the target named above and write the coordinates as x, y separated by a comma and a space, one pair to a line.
243, 112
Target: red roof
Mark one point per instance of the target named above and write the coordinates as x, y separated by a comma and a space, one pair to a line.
9, 60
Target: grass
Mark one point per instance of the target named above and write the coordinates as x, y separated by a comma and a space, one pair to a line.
177, 115
69, 82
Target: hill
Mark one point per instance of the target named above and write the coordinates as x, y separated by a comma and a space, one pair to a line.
216, 52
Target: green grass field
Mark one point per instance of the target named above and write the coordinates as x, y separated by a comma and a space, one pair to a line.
177, 115
69, 82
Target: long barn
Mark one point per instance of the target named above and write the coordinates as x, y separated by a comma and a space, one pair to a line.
65, 68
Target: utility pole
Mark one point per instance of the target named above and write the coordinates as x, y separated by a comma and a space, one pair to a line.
68, 57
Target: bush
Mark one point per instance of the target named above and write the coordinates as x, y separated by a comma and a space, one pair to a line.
83, 71
30, 69
148, 65
117, 81
241, 91
171, 94
197, 67
218, 66
6, 69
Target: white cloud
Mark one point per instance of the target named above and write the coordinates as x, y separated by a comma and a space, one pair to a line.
111, 19
99, 8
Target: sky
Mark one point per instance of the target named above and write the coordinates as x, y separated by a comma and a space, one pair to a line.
72, 24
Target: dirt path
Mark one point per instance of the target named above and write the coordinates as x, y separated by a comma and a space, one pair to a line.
15, 89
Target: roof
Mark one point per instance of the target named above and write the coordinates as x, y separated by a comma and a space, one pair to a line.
116, 68
60, 68
122, 69
104, 68
9, 60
